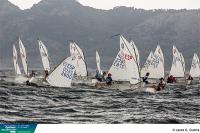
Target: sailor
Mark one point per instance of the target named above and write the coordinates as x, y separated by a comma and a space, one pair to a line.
46, 74
171, 79
145, 78
104, 76
109, 79
32, 74
161, 85
98, 76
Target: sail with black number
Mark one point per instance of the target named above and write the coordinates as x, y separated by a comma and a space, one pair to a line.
15, 60
118, 68
23, 57
145, 68
195, 67
63, 74
98, 61
76, 51
44, 55
156, 68
177, 69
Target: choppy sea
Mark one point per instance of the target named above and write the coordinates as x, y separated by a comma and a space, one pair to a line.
84, 104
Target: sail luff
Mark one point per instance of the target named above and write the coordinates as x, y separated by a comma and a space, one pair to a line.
195, 67
98, 62
15, 61
23, 57
44, 55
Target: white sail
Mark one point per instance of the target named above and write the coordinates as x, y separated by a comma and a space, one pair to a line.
156, 68
136, 52
63, 74
132, 70
177, 69
195, 67
183, 61
23, 57
81, 68
98, 61
118, 68
145, 68
44, 55
15, 60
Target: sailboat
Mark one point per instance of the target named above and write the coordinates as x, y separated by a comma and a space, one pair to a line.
177, 69
44, 56
63, 74
156, 68
178, 66
131, 61
19, 77
40, 80
125, 67
195, 69
77, 52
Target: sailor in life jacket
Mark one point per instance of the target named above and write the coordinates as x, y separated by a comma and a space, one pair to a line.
161, 85
171, 79
98, 76
145, 78
109, 79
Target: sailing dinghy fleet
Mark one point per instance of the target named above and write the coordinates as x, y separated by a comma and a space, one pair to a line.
125, 72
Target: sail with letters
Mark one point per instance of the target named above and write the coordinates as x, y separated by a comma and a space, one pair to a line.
177, 69
76, 51
23, 57
132, 69
145, 68
118, 68
136, 51
98, 61
63, 74
156, 68
195, 67
15, 60
44, 55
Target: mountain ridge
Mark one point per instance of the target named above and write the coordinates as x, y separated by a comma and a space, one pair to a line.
58, 22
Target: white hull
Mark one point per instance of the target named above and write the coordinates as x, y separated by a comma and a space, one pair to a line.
20, 79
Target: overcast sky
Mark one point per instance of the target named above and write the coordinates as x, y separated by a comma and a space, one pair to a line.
109, 4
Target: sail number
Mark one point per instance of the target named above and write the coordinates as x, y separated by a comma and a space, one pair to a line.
119, 61
68, 71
